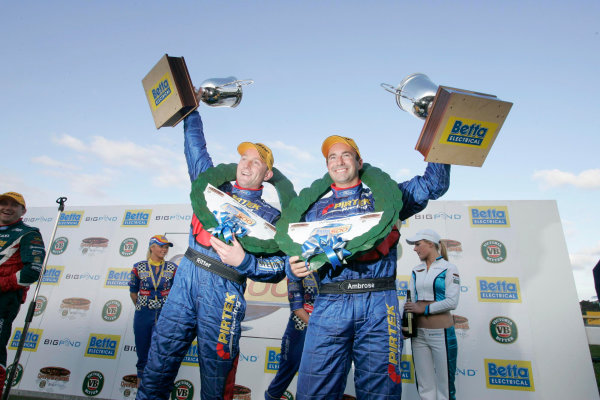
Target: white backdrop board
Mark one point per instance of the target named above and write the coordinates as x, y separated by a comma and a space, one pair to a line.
519, 327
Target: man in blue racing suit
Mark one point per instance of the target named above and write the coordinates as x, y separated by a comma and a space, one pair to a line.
302, 298
359, 325
207, 297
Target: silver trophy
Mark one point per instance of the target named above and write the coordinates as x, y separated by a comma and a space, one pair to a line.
222, 92
414, 94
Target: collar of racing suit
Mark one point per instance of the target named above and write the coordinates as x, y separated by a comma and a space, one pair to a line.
249, 194
339, 193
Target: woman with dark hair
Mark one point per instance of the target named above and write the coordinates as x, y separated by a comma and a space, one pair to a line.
149, 286
435, 285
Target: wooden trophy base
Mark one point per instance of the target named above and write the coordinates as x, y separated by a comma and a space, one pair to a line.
461, 127
169, 91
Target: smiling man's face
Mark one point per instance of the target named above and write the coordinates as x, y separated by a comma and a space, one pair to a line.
343, 165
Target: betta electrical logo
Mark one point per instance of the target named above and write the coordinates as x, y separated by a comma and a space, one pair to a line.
407, 369
503, 330
272, 358
191, 357
93, 383
182, 390
117, 278
136, 218
486, 216
402, 286
102, 346
160, 91
498, 290
59, 245
70, 219
508, 375
493, 251
32, 340
52, 275
468, 132
111, 310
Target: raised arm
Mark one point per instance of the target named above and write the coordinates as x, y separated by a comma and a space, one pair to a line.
417, 192
196, 154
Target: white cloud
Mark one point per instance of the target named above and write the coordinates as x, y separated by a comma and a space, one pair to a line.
299, 154
588, 179
50, 162
401, 174
70, 142
586, 259
164, 167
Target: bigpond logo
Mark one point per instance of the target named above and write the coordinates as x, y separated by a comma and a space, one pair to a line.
32, 340
498, 290
70, 219
102, 346
52, 275
485, 216
468, 132
508, 375
136, 217
117, 278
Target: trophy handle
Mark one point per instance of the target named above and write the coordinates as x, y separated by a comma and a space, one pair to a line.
239, 82
389, 88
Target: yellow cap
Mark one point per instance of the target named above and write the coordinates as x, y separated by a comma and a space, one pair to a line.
18, 197
331, 140
264, 152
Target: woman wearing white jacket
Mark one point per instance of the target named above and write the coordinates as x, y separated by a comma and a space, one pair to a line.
435, 285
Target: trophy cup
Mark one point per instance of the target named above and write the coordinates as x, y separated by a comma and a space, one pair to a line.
172, 96
460, 125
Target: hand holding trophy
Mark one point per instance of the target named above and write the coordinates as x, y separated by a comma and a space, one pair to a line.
172, 96
460, 125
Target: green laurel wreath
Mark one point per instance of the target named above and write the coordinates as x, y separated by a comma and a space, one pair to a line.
223, 173
387, 197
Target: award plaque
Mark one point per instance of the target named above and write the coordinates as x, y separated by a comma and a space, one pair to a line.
172, 96
460, 125
169, 91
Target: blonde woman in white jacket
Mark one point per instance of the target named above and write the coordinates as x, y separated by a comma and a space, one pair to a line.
435, 284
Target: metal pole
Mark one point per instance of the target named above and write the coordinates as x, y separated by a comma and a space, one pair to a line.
61, 207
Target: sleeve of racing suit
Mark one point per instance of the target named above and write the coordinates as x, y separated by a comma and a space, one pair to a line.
417, 192
134, 280
411, 286
264, 269
295, 295
452, 293
32, 255
196, 154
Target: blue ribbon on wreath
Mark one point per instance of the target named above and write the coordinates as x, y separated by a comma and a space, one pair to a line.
229, 225
331, 245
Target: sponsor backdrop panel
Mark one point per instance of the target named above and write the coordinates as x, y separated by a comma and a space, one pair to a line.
517, 300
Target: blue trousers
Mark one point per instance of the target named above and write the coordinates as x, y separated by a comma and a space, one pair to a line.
292, 344
143, 326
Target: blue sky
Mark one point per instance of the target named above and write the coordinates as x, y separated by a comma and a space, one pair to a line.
76, 122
